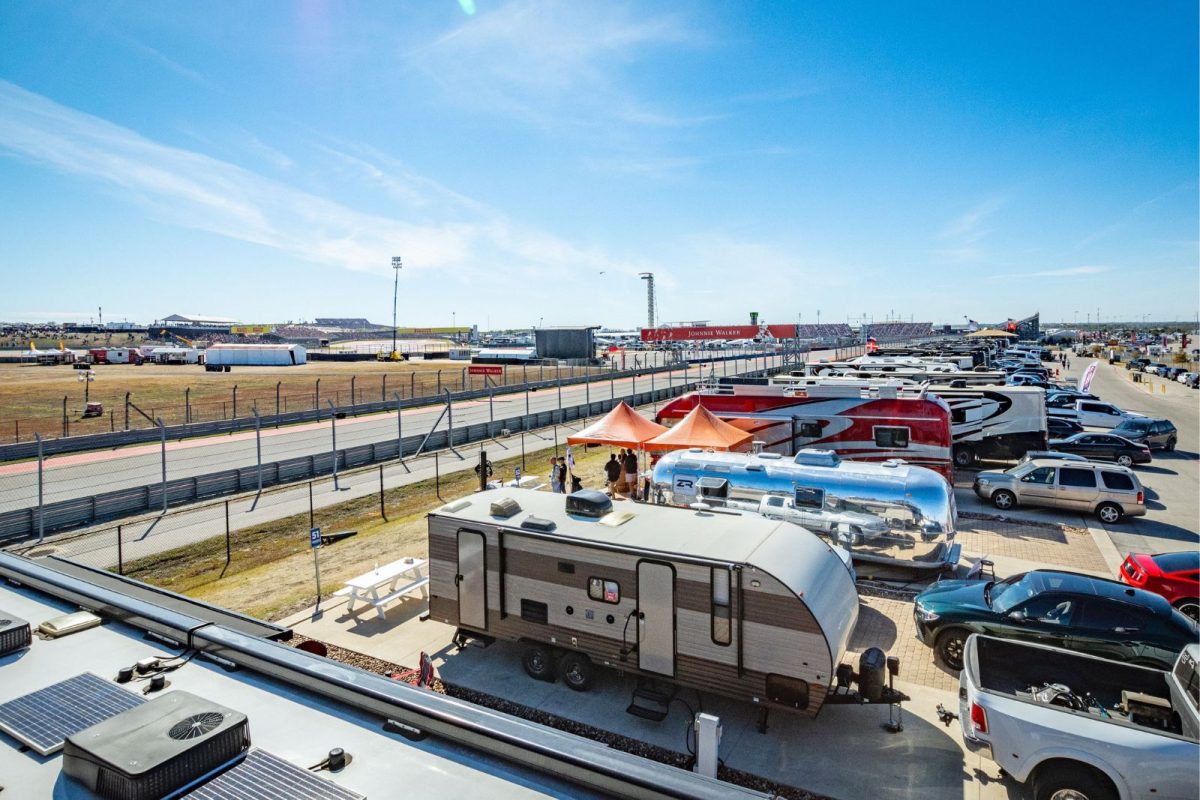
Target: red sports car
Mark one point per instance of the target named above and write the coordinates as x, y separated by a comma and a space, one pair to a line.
1176, 576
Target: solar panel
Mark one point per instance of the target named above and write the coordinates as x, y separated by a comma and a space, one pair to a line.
45, 718
263, 776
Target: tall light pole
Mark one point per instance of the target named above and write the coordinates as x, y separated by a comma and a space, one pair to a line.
397, 264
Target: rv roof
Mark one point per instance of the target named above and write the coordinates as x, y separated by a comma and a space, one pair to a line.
727, 537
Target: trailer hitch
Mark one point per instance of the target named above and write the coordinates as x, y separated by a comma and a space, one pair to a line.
945, 717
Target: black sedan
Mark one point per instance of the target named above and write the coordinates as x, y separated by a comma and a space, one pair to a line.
1103, 447
1060, 428
1062, 609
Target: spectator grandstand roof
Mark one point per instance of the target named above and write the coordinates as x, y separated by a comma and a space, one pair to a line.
199, 319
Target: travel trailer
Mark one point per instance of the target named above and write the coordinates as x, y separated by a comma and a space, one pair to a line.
891, 513
755, 609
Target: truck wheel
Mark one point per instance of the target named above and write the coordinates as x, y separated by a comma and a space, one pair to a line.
1170, 445
1189, 607
538, 662
1004, 499
950, 647
576, 671
1109, 513
1072, 781
1125, 460
964, 455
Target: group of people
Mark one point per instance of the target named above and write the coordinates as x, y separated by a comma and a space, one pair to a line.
621, 467
1064, 360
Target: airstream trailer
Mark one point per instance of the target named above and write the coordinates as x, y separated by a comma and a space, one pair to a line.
891, 513
735, 604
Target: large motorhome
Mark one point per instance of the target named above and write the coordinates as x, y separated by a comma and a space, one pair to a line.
755, 609
891, 513
910, 372
877, 424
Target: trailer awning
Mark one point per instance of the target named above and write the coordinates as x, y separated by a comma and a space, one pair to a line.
621, 427
701, 428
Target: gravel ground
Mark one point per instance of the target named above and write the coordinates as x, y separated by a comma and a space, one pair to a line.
615, 741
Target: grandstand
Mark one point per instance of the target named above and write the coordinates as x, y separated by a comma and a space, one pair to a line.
826, 332
897, 331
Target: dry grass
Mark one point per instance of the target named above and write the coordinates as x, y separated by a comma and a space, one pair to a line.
270, 573
31, 396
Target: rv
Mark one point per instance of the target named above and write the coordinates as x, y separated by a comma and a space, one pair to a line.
876, 424
915, 373
755, 609
891, 513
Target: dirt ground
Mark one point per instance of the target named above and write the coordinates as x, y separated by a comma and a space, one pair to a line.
270, 574
31, 396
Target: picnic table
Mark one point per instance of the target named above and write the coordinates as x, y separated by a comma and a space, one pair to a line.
386, 583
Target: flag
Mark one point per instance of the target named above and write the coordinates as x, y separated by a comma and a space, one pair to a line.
972, 325
1088, 374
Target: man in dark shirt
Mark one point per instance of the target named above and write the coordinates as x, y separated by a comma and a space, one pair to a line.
561, 474
631, 469
612, 473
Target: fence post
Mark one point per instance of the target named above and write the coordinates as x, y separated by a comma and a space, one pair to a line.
353, 379
317, 396
227, 547
612, 380
162, 432
558, 377
41, 508
462, 380
120, 553
333, 431
66, 425
522, 451
234, 415
653, 399
258, 446
383, 390
491, 412
127, 410
587, 391
310, 506
439, 380
399, 430
277, 385
412, 384
382, 510
437, 475
187, 405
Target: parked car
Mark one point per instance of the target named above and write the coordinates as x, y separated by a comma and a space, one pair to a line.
1073, 726
1059, 428
1104, 447
1111, 492
1156, 433
1066, 398
1154, 367
1176, 576
1136, 363
1032, 455
1185, 377
1174, 372
1062, 609
1026, 379
1093, 414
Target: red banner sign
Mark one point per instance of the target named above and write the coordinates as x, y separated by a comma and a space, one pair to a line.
710, 332
480, 369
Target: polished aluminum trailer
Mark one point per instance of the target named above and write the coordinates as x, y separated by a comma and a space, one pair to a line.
730, 603
891, 513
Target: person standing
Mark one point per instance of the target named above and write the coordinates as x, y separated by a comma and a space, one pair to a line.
555, 484
631, 469
562, 475
612, 472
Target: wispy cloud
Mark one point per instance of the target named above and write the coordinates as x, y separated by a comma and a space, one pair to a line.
1132, 216
1065, 272
960, 239
200, 192
555, 64
661, 167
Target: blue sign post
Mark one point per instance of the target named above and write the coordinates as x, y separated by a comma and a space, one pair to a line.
314, 541
314, 537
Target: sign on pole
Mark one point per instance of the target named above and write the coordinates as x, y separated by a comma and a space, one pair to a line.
314, 537
314, 541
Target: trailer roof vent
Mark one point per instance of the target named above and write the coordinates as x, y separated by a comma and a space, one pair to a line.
589, 503
457, 505
616, 519
538, 524
770, 456
894, 462
505, 507
814, 457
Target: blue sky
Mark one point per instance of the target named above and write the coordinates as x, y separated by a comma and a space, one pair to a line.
265, 160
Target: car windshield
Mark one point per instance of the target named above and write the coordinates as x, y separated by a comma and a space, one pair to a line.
1134, 427
1011, 592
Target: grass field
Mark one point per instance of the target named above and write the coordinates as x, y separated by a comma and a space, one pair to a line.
270, 574
31, 396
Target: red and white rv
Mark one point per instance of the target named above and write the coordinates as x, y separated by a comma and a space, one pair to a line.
874, 424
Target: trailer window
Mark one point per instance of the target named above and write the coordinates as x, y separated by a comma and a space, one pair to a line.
722, 629
888, 436
810, 430
604, 591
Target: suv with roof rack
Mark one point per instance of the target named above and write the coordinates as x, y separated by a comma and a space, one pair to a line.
1109, 491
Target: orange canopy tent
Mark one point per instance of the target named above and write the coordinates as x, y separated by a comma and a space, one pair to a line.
700, 428
621, 427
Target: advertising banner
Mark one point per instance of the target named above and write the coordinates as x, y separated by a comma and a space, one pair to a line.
711, 332
1088, 374
481, 369
252, 330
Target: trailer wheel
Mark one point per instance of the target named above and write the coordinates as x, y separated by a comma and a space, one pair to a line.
1071, 780
576, 671
964, 455
538, 662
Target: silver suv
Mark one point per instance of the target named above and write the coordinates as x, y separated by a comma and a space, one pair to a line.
1109, 491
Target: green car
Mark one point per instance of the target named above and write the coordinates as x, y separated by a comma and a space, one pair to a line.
1062, 609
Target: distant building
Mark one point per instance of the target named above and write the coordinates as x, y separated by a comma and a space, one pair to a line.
566, 343
195, 321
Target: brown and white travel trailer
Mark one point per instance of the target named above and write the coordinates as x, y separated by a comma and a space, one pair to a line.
730, 603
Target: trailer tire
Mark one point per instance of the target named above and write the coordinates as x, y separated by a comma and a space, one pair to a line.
576, 671
538, 661
964, 455
1071, 780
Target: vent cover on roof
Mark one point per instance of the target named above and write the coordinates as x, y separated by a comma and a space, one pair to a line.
14, 634
538, 524
814, 457
505, 507
156, 748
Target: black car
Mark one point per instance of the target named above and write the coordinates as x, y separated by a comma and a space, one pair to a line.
1155, 433
1062, 609
1060, 428
1136, 363
1103, 447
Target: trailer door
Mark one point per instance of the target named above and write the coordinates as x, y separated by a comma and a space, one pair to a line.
656, 617
471, 581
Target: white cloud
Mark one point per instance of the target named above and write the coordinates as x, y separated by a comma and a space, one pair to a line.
1065, 272
200, 192
962, 237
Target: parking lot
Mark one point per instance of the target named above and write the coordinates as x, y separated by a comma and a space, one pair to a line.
926, 759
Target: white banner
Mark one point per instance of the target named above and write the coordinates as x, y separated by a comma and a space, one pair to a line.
1088, 374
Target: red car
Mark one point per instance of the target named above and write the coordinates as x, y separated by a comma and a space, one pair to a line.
1176, 576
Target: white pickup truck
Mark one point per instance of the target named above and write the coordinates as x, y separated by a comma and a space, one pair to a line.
1093, 414
1080, 727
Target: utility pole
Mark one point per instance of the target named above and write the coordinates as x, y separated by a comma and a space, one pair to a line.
648, 277
397, 264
